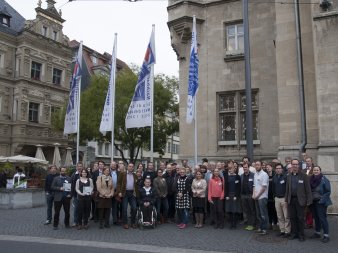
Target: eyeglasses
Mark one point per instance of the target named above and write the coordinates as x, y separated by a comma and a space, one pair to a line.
294, 164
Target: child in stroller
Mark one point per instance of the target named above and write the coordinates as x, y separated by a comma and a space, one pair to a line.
147, 211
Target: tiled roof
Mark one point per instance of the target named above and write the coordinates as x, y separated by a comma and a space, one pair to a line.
17, 22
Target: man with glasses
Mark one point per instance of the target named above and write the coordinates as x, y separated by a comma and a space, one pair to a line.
298, 195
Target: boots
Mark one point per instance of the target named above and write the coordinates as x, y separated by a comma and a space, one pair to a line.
201, 215
197, 220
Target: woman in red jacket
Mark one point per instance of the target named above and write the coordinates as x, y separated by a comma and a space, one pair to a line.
216, 197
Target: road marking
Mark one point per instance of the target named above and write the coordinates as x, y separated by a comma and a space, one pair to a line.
106, 245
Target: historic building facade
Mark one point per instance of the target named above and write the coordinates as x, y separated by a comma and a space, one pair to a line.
274, 78
35, 71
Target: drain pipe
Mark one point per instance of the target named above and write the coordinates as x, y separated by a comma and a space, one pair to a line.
300, 79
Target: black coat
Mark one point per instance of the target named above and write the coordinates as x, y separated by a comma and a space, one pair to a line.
151, 197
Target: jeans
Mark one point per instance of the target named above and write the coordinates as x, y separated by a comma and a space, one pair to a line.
248, 205
129, 198
262, 213
49, 200
319, 213
75, 205
114, 209
183, 215
65, 202
162, 202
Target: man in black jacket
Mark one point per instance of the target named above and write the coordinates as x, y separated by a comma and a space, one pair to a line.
49, 193
169, 177
62, 197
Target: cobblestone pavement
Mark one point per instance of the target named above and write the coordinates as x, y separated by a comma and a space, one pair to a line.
29, 222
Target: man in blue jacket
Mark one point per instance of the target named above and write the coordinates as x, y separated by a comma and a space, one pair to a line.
248, 204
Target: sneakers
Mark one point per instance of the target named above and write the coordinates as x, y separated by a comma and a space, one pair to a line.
178, 225
263, 232
47, 222
249, 228
325, 239
182, 226
258, 231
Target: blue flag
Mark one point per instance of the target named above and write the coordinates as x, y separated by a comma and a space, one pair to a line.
193, 75
71, 119
140, 110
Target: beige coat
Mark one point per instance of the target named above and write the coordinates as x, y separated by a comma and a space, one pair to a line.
103, 189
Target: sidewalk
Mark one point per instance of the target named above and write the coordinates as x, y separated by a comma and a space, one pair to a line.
29, 223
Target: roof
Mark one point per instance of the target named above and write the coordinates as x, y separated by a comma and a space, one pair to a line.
17, 22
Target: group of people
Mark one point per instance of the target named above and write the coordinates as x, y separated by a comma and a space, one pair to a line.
259, 194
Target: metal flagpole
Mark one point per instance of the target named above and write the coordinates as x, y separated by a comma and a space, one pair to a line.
113, 97
195, 116
249, 137
78, 111
152, 104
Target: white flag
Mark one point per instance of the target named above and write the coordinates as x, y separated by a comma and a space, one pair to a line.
71, 119
140, 109
107, 120
193, 75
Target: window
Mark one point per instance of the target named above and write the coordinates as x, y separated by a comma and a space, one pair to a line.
232, 113
33, 115
168, 147
36, 70
234, 37
57, 73
55, 35
94, 60
44, 31
99, 148
106, 151
5, 21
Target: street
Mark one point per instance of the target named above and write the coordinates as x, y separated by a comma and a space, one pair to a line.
26, 226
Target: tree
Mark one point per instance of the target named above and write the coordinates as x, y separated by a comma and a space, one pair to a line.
92, 102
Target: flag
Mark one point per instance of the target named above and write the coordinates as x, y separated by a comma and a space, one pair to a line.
193, 75
140, 110
71, 119
108, 114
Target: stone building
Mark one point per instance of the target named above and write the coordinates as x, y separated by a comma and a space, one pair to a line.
274, 78
35, 70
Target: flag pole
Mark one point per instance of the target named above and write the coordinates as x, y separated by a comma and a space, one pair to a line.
113, 98
152, 105
78, 111
195, 103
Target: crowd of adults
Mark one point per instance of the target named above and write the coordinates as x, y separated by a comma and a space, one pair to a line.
263, 196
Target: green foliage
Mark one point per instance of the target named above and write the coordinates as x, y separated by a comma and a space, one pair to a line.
7, 168
92, 103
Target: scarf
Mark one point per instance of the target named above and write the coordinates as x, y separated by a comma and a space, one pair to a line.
315, 180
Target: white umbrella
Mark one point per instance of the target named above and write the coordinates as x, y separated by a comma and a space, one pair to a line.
39, 153
57, 157
23, 160
69, 159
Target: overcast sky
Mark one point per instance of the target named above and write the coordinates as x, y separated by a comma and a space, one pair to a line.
95, 22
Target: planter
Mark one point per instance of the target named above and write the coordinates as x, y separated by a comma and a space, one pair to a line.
21, 198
